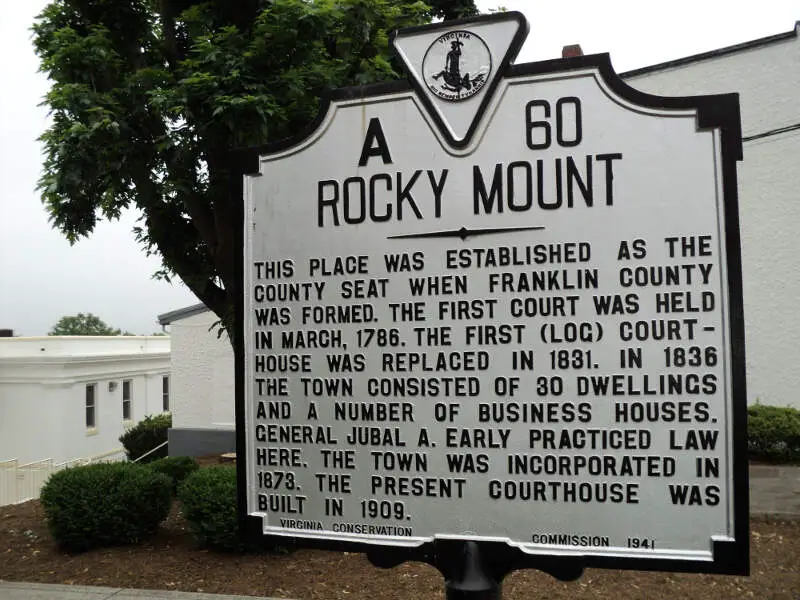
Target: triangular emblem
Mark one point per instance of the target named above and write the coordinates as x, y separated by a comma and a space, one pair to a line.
455, 67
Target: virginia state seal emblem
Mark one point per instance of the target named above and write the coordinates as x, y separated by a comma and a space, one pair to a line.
457, 65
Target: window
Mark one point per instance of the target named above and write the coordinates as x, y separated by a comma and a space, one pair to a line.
165, 393
126, 399
91, 406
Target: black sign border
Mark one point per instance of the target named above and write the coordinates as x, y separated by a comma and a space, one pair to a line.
733, 558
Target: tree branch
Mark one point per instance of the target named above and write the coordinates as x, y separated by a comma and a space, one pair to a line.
186, 262
167, 12
182, 170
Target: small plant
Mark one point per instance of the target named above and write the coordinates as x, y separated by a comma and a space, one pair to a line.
773, 433
105, 504
146, 435
176, 468
208, 501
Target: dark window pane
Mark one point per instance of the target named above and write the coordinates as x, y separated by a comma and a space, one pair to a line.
90, 405
165, 395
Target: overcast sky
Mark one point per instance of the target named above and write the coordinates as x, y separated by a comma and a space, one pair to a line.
43, 278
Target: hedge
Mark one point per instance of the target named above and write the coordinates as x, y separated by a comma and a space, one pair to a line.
177, 468
146, 435
105, 504
208, 502
773, 433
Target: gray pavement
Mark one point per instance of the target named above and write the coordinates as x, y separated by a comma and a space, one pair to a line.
10, 590
774, 491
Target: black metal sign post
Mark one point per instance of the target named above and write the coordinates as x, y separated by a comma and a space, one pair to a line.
469, 579
490, 318
475, 570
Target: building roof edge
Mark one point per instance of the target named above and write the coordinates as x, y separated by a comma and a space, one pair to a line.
679, 62
181, 313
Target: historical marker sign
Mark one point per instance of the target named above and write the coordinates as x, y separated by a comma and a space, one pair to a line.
502, 303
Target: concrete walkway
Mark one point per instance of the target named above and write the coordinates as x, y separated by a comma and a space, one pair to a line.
40, 591
774, 491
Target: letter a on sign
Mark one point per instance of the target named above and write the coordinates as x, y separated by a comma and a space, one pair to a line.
375, 144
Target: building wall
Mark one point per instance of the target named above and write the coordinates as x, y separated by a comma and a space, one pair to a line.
203, 376
43, 393
767, 80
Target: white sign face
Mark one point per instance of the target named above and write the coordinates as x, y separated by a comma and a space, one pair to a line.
523, 340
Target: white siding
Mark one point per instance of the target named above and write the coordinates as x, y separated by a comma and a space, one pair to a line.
767, 80
203, 377
43, 386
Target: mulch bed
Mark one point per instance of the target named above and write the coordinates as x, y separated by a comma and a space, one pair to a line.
173, 561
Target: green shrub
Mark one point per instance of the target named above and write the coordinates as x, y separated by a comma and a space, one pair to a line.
146, 435
176, 468
208, 502
105, 504
773, 433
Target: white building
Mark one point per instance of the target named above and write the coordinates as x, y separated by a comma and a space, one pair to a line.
765, 74
203, 389
64, 398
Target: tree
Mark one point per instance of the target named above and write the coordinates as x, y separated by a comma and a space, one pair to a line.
83, 324
148, 98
